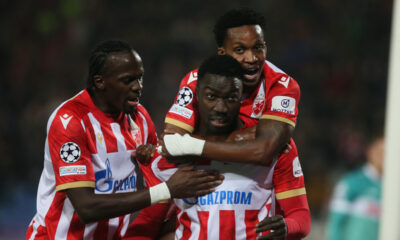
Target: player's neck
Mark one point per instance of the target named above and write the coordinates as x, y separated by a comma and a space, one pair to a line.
213, 136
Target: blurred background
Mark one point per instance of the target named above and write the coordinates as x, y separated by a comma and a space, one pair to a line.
336, 50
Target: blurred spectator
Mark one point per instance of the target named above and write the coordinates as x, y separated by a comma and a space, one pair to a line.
355, 206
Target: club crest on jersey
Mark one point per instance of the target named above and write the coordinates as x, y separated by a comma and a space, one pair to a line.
137, 136
70, 152
258, 105
185, 96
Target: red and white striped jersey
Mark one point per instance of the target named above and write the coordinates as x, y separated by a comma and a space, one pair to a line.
247, 195
276, 97
87, 148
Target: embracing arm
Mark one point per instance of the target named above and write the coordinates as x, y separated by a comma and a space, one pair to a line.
271, 138
185, 182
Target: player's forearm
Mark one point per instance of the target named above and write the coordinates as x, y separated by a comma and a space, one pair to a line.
92, 207
297, 216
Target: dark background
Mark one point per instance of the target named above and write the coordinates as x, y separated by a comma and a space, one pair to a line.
336, 50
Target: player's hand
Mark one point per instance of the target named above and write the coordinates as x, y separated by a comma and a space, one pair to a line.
144, 153
246, 134
286, 149
161, 149
187, 182
275, 223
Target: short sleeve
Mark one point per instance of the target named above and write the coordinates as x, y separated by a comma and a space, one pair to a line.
288, 176
282, 101
183, 113
68, 148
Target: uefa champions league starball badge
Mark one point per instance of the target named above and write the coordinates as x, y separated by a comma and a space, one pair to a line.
70, 152
185, 96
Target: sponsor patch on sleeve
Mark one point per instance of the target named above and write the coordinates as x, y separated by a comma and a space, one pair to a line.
182, 111
297, 171
73, 170
283, 104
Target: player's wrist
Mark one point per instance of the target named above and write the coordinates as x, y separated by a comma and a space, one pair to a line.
159, 192
178, 145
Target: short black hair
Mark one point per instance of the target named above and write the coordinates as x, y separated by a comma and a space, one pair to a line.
236, 18
99, 56
223, 65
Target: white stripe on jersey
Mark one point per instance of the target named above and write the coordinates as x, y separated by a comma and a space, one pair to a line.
273, 67
112, 227
90, 228
145, 128
65, 220
125, 224
100, 141
117, 132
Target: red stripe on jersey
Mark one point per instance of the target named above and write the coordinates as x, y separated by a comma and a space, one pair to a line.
101, 229
109, 138
76, 229
185, 221
203, 217
53, 215
30, 230
250, 219
227, 224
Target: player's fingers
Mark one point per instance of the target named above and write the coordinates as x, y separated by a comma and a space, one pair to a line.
207, 185
275, 235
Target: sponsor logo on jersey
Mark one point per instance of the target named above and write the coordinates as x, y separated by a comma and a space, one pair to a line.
72, 170
284, 81
185, 96
297, 171
283, 104
221, 197
106, 183
70, 152
182, 111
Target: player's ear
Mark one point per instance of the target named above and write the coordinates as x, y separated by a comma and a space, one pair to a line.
98, 82
221, 51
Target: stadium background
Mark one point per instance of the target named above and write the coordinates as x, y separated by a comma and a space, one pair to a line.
336, 50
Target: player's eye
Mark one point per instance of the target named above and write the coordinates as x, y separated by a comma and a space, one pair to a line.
238, 50
259, 47
233, 99
210, 96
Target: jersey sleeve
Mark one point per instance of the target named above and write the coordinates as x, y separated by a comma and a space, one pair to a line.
282, 101
288, 176
67, 146
183, 113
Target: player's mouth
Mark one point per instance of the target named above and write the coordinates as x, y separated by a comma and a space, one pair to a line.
219, 121
133, 101
252, 74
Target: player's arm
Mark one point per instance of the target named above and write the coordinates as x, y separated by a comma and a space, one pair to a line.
270, 139
186, 182
295, 223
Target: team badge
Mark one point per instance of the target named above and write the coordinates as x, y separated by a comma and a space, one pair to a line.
70, 152
185, 96
258, 105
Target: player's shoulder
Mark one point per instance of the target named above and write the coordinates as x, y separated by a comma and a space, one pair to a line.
71, 110
190, 79
274, 75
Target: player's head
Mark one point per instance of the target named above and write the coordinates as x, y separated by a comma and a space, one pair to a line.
240, 33
219, 90
115, 76
375, 150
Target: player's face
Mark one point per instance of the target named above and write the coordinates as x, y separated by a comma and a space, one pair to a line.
246, 44
219, 104
123, 82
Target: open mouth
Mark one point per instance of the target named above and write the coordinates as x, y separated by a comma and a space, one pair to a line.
133, 101
251, 74
219, 122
